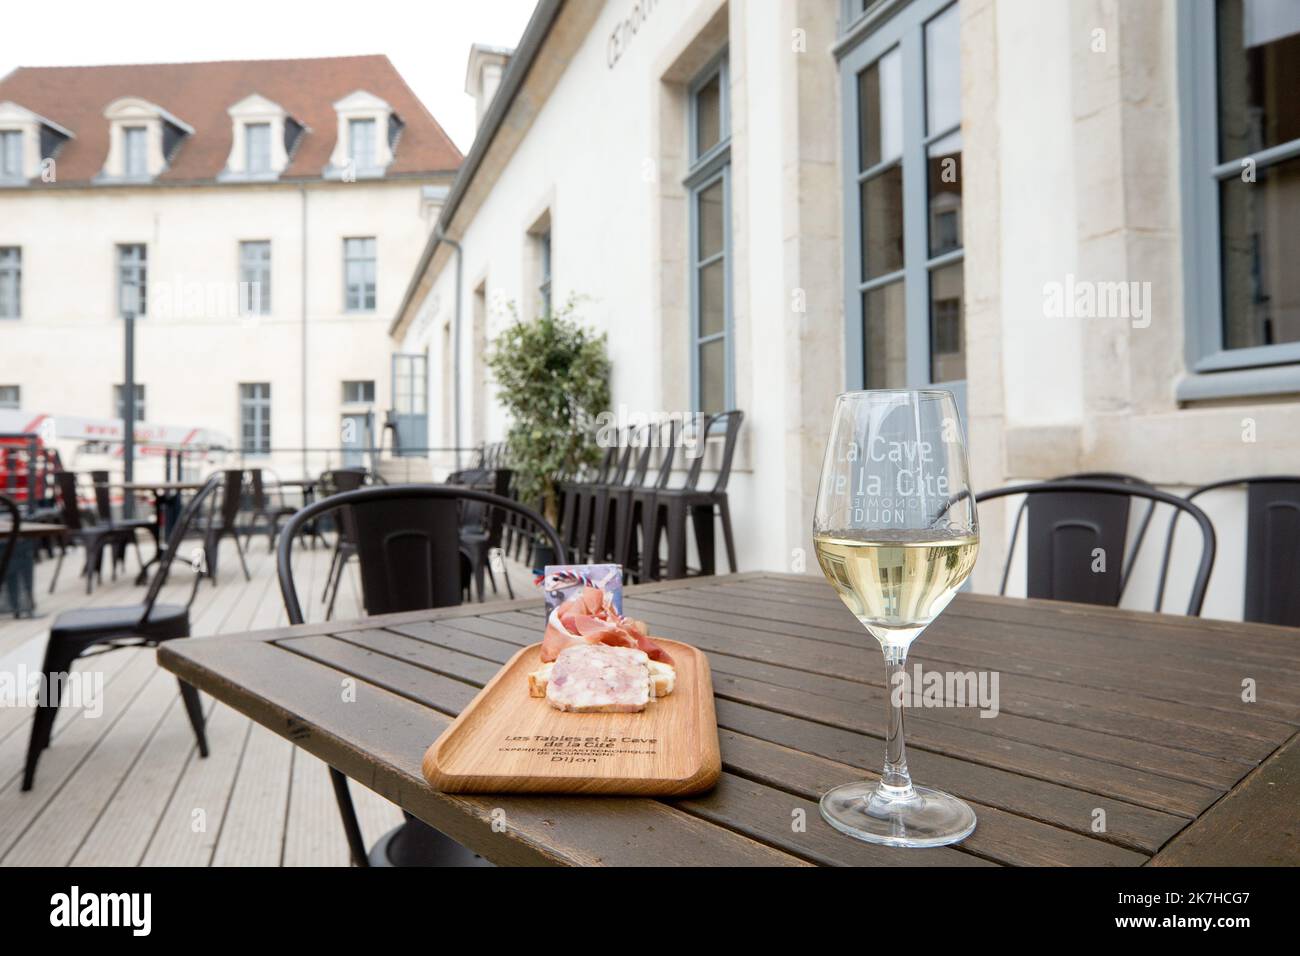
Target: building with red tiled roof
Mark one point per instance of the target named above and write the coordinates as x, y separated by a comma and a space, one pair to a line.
263, 215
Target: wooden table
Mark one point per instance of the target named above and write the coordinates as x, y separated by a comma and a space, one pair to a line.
1130, 721
27, 530
162, 491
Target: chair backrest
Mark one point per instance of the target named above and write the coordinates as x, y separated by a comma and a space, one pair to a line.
259, 490
1069, 520
66, 482
729, 423
668, 446
624, 459
408, 543
179, 529
646, 439
1272, 584
10, 507
103, 499
1103, 507
231, 489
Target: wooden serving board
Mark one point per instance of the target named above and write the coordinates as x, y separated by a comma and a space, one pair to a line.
508, 742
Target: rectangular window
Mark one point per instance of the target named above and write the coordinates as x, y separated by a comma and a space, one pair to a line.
119, 402
11, 396
1239, 71
361, 143
255, 278
11, 154
132, 279
257, 147
708, 183
359, 275
905, 294
358, 393
255, 417
544, 286
135, 155
11, 282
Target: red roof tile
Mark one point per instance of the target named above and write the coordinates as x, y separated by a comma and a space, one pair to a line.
200, 93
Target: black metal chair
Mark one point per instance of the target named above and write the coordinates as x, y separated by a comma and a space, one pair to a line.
409, 553
481, 533
593, 499
74, 633
1272, 571
672, 507
224, 522
1112, 476
632, 505
266, 517
1067, 521
128, 526
10, 507
332, 483
93, 538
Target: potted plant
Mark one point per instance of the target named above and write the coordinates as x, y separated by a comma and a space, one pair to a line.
552, 374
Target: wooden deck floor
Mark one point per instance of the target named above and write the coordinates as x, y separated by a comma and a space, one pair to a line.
128, 788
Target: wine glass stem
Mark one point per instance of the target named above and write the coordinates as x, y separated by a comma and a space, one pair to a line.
895, 782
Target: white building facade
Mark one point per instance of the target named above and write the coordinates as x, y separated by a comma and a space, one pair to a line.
262, 218
1039, 205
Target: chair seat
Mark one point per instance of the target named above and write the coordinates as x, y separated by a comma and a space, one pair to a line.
165, 621
131, 524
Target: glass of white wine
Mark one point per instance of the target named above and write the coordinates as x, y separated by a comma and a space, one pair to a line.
896, 533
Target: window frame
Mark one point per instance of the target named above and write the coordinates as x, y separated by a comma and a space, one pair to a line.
1215, 371
127, 171
248, 148
17, 401
7, 136
875, 32
367, 389
373, 259
544, 268
12, 271
260, 407
372, 124
141, 271
703, 171
247, 267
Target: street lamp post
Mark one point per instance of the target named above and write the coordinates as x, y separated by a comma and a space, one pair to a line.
130, 304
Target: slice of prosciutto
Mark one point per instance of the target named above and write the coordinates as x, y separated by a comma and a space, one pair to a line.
589, 618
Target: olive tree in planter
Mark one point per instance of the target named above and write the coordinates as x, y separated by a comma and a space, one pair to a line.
553, 378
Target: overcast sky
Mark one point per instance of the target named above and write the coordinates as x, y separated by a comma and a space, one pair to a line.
427, 40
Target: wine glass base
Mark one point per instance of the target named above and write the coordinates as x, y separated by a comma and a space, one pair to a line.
927, 818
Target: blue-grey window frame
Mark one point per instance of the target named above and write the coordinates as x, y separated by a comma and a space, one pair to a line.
1213, 370
704, 171
883, 27
373, 259
258, 408
13, 269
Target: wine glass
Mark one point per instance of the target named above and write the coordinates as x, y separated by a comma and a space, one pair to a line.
896, 533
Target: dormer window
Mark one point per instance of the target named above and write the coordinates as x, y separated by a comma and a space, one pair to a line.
28, 144
361, 143
368, 131
143, 139
11, 154
262, 142
257, 143
136, 152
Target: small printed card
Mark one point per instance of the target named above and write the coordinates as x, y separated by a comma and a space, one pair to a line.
563, 581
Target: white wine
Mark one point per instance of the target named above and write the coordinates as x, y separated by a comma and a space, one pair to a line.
896, 582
